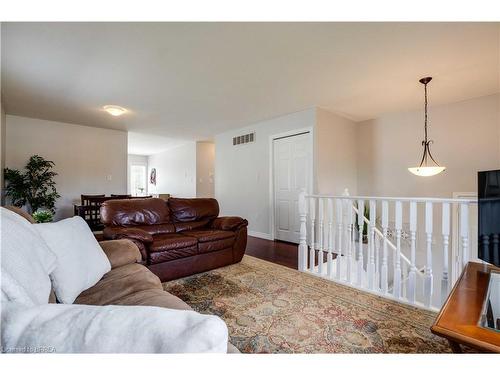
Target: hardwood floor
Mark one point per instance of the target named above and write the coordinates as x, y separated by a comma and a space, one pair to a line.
278, 252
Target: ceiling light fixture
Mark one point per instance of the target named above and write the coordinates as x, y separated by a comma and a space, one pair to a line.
114, 110
424, 169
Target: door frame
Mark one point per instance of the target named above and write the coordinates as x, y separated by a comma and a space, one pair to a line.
272, 137
129, 174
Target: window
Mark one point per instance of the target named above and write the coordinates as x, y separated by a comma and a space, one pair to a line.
138, 180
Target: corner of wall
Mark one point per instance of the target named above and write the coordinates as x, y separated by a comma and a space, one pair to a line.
315, 149
205, 169
335, 152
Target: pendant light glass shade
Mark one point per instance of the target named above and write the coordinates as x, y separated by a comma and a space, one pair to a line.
424, 169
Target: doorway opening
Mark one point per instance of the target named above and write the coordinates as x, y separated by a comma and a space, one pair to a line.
138, 180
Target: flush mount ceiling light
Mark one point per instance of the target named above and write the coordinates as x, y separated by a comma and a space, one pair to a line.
114, 110
426, 168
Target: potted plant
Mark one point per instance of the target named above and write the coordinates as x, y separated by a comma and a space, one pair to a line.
34, 188
43, 216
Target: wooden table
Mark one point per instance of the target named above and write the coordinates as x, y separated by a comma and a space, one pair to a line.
459, 317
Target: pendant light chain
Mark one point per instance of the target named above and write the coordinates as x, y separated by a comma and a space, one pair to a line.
425, 108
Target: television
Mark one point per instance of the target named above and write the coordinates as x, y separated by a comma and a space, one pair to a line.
489, 216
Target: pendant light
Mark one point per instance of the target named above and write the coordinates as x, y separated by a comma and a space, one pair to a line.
426, 167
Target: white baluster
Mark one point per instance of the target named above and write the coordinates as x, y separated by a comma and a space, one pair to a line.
428, 289
377, 262
371, 246
321, 236
339, 239
353, 240
349, 239
385, 224
329, 260
413, 236
312, 251
397, 267
446, 235
361, 214
464, 232
302, 232
404, 279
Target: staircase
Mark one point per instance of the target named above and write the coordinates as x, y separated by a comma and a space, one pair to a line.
406, 255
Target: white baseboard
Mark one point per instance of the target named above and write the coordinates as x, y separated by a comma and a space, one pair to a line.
265, 236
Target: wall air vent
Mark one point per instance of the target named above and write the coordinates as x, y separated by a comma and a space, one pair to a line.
245, 138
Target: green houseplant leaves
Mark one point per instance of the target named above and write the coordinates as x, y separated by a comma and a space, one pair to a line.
43, 216
35, 187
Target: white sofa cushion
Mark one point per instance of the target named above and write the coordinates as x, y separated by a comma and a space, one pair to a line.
111, 329
81, 262
26, 261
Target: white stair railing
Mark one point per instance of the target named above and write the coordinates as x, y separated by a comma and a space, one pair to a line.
422, 279
387, 241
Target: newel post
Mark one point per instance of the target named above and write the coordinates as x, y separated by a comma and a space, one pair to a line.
303, 232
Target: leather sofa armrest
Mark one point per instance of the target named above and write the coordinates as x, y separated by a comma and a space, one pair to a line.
116, 233
229, 223
121, 252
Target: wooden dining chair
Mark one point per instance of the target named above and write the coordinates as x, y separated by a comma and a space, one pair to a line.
85, 198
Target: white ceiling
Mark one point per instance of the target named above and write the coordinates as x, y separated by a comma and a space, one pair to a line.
194, 80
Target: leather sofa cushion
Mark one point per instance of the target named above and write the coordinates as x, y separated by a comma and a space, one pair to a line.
166, 242
168, 255
126, 212
119, 283
193, 209
209, 235
207, 247
157, 228
228, 223
131, 233
191, 225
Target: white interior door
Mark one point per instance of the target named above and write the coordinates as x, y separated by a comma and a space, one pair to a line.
292, 173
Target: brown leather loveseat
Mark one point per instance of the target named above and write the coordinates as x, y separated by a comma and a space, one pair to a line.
179, 237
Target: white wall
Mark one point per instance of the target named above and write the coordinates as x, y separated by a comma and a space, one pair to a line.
335, 154
175, 171
136, 160
466, 140
88, 160
205, 160
242, 172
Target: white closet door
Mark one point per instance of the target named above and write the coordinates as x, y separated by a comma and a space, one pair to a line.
292, 163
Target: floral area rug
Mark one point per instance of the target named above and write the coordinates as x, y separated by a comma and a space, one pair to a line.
269, 308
